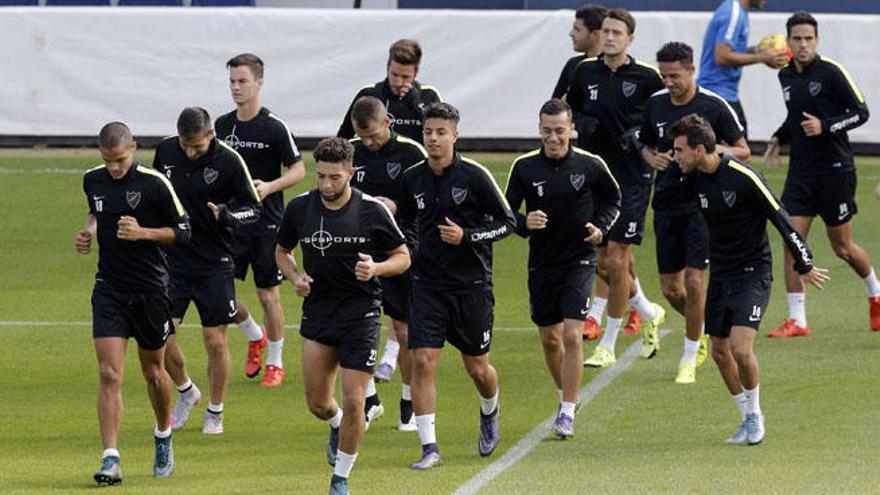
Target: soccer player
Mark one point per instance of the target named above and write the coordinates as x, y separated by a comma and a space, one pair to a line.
459, 212
341, 232
265, 143
403, 96
726, 50
572, 200
132, 209
380, 157
682, 238
608, 96
823, 104
736, 202
217, 191
586, 37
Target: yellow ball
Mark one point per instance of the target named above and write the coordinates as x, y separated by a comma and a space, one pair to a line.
773, 43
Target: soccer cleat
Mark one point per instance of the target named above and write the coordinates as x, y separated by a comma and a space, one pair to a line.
430, 458
789, 329
633, 323
563, 427
163, 466
490, 433
601, 358
183, 406
755, 427
703, 351
687, 373
741, 435
373, 409
874, 304
332, 446
274, 376
110, 472
651, 335
338, 485
213, 423
592, 330
407, 418
383, 372
254, 362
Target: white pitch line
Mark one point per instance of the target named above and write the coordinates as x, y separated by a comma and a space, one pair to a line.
55, 324
540, 432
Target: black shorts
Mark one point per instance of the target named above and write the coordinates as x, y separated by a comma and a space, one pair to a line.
740, 301
395, 296
464, 319
356, 342
630, 225
682, 240
555, 295
741, 115
214, 295
259, 253
830, 196
144, 316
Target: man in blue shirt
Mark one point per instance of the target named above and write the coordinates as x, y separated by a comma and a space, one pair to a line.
726, 49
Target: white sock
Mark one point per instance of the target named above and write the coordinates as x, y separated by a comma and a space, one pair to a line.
110, 453
425, 424
567, 408
344, 463
560, 394
184, 388
250, 328
487, 406
797, 308
389, 356
612, 328
740, 400
643, 305
637, 286
161, 434
405, 392
371, 388
872, 284
336, 420
597, 308
215, 408
276, 347
753, 403
690, 351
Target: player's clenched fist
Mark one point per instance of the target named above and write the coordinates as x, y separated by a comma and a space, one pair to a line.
365, 269
83, 241
128, 229
302, 284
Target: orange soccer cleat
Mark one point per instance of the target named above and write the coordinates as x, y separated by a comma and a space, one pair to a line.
874, 303
634, 323
274, 376
789, 329
592, 331
255, 356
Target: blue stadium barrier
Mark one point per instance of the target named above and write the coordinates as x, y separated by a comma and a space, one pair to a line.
76, 3
150, 3
815, 6
19, 3
223, 3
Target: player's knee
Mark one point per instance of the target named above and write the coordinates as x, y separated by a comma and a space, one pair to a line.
842, 248
616, 266
154, 375
215, 342
674, 293
110, 375
421, 360
693, 282
480, 371
719, 353
742, 354
268, 297
321, 407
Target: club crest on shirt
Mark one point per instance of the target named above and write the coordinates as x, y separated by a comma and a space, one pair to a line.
393, 169
133, 198
577, 181
729, 198
210, 175
459, 194
629, 88
815, 88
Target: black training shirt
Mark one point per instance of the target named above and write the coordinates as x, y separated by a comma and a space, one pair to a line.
567, 74
406, 114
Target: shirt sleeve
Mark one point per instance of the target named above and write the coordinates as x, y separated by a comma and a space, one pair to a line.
648, 132
856, 110
85, 188
727, 126
730, 24
502, 222
173, 214
245, 206
287, 236
607, 193
515, 196
288, 151
385, 233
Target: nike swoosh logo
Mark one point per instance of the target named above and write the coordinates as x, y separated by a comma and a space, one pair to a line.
233, 313
629, 235
661, 124
484, 345
752, 318
592, 86
536, 184
842, 216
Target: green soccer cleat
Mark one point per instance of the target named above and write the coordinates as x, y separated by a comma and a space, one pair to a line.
703, 351
651, 335
601, 358
687, 373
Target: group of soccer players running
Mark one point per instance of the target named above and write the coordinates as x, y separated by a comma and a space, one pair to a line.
402, 223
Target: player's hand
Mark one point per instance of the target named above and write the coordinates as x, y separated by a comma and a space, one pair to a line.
536, 220
661, 161
83, 241
262, 188
816, 277
215, 209
365, 269
811, 125
302, 284
594, 235
451, 233
775, 60
128, 229
389, 203
771, 156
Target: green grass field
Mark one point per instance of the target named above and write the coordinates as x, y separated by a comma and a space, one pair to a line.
641, 434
